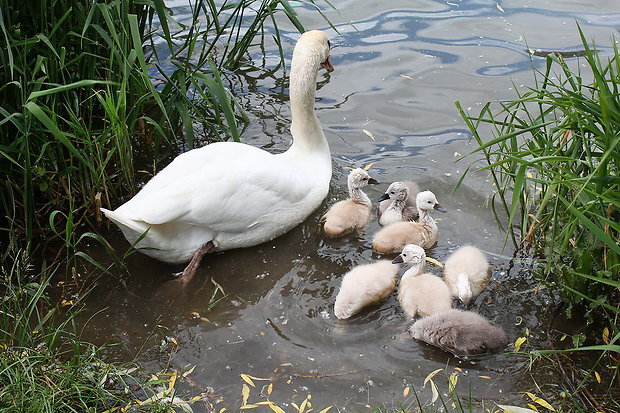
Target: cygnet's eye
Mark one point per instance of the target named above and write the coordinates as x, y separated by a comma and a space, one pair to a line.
329, 44
392, 192
430, 202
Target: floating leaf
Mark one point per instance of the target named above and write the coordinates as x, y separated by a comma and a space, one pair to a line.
367, 167
247, 379
406, 77
519, 342
431, 375
606, 335
245, 394
190, 371
454, 378
435, 392
531, 406
514, 409
540, 401
367, 132
172, 380
457, 154
406, 391
269, 389
325, 410
598, 376
222, 410
563, 337
276, 408
434, 261
303, 406
196, 398
500, 8
248, 406
485, 377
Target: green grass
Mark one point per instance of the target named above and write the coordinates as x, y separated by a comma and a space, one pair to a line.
554, 156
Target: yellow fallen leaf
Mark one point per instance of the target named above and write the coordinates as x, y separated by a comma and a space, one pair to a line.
454, 378
519, 342
245, 394
190, 371
485, 377
457, 154
248, 406
406, 77
196, 398
598, 376
325, 410
434, 261
406, 391
500, 8
369, 133
540, 401
431, 375
172, 380
222, 410
247, 379
367, 167
303, 406
563, 337
269, 389
606, 335
531, 406
435, 392
276, 408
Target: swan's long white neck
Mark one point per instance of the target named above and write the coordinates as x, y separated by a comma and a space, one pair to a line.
305, 125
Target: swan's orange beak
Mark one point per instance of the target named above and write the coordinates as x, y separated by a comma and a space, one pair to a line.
327, 65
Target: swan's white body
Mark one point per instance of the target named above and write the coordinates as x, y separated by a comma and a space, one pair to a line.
467, 273
365, 285
232, 194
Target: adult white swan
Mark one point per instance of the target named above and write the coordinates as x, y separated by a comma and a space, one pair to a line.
231, 195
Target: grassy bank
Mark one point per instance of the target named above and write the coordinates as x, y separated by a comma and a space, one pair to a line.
553, 153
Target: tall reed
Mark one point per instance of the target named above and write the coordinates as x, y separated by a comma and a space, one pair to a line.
554, 156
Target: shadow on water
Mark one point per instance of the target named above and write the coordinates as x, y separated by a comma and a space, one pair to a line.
276, 318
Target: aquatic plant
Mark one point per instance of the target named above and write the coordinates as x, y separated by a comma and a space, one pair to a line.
555, 159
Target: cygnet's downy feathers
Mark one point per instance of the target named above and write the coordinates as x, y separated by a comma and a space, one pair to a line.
409, 211
459, 332
420, 294
365, 285
351, 214
392, 238
467, 273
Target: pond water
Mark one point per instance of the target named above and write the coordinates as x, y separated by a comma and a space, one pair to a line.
399, 68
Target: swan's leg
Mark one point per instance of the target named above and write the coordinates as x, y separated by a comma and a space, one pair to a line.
193, 265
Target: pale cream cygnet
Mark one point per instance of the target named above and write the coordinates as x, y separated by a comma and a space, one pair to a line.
409, 211
467, 273
351, 214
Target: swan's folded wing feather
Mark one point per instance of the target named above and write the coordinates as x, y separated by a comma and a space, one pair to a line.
216, 187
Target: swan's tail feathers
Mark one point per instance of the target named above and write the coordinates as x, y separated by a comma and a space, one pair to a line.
137, 229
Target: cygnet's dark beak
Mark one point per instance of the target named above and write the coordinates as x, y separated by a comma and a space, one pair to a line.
383, 197
440, 208
397, 260
373, 181
327, 65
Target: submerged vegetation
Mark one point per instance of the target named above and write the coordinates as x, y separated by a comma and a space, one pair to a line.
554, 157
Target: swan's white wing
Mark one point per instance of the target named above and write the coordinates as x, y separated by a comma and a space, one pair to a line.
225, 187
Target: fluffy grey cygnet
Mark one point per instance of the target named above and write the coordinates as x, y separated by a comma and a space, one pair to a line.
459, 332
409, 210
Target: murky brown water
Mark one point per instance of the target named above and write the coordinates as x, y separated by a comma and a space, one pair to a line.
397, 76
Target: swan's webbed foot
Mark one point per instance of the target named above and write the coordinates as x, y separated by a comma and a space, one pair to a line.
189, 271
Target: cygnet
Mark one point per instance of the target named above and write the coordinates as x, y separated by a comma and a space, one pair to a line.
365, 285
351, 214
409, 210
459, 332
467, 273
420, 294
